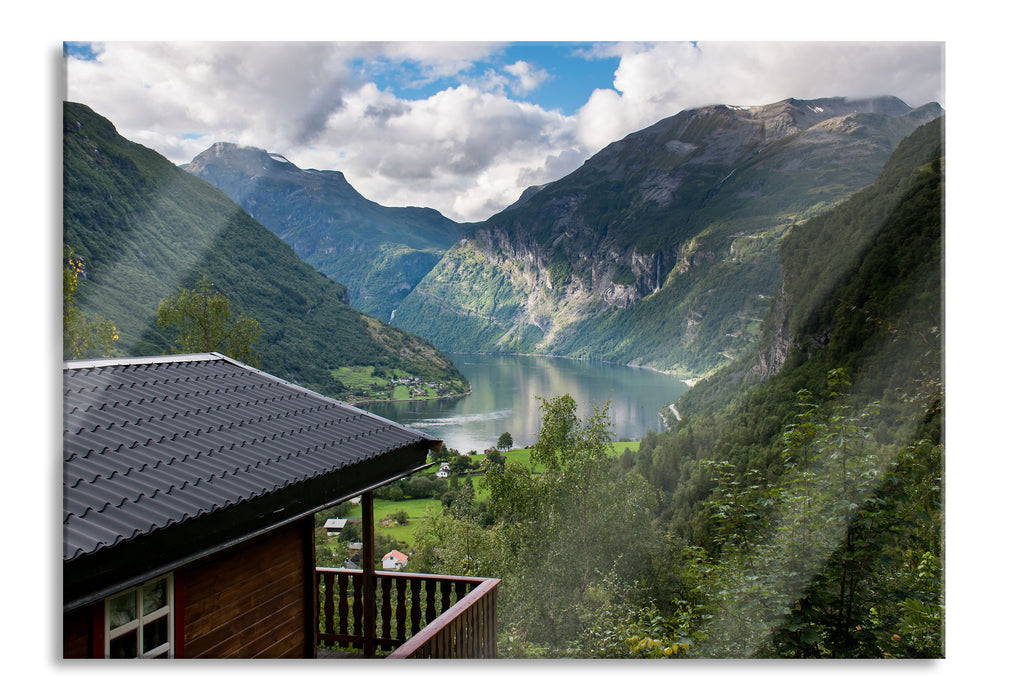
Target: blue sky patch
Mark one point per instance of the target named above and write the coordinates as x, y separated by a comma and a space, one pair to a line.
572, 75
83, 50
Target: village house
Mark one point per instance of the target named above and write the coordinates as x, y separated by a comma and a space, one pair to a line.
190, 485
394, 560
334, 526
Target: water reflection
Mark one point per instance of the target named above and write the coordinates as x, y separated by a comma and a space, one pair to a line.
504, 394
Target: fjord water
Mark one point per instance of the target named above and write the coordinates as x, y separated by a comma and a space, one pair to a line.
505, 391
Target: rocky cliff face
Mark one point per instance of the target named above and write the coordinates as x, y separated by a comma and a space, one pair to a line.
662, 249
779, 340
379, 253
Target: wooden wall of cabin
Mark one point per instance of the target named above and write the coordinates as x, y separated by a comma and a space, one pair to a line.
249, 601
79, 633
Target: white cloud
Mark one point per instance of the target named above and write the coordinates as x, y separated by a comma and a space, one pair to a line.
658, 80
518, 79
462, 150
253, 93
438, 59
529, 77
468, 150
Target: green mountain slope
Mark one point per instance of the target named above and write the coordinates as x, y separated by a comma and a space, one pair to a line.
824, 500
662, 249
145, 227
859, 282
379, 253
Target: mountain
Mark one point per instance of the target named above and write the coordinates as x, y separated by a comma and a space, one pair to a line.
865, 257
662, 249
380, 253
144, 227
813, 468
862, 288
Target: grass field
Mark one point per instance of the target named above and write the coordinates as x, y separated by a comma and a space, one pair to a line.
416, 509
363, 382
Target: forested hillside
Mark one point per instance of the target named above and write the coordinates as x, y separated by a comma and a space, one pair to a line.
143, 228
842, 446
796, 510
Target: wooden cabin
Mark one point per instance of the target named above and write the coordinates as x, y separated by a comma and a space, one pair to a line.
190, 484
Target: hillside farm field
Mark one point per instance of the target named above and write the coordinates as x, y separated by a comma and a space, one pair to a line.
364, 382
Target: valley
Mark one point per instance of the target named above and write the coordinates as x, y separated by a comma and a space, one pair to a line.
775, 271
660, 251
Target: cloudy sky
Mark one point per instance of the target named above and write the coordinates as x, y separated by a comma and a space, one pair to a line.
460, 126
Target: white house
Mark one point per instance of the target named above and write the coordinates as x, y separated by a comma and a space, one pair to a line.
394, 560
444, 471
334, 526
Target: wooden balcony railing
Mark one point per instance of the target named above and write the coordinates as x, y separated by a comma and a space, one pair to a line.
417, 615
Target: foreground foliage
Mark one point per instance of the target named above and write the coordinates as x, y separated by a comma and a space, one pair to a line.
557, 533
836, 555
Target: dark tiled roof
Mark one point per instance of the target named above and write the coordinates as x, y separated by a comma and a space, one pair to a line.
149, 442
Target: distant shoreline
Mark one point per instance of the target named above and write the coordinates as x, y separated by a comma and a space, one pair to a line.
687, 378
365, 402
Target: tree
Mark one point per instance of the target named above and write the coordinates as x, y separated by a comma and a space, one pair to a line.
351, 532
423, 486
495, 457
460, 463
204, 323
568, 528
558, 439
83, 335
505, 441
839, 556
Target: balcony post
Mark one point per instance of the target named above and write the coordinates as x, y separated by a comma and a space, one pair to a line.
368, 571
311, 588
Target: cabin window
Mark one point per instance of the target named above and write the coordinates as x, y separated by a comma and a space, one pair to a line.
138, 622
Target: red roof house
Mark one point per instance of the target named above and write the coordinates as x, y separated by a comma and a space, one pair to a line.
394, 560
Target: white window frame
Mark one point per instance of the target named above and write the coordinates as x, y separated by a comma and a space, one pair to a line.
136, 625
